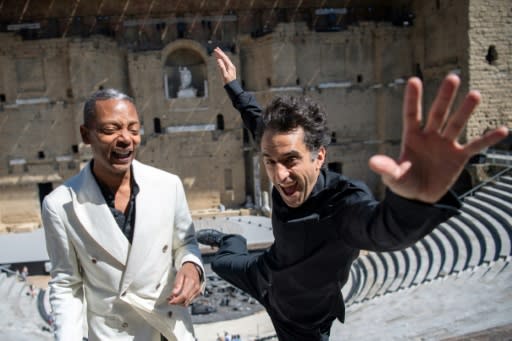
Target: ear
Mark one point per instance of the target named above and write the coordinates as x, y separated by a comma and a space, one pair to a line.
84, 132
321, 156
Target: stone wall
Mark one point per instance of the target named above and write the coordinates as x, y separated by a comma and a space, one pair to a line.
353, 74
460, 36
19, 208
355, 68
490, 63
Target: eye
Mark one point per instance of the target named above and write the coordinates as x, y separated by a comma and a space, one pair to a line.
292, 160
109, 130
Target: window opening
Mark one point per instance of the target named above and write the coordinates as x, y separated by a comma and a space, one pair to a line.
220, 122
157, 127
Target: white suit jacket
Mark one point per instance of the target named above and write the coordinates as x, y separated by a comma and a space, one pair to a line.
125, 286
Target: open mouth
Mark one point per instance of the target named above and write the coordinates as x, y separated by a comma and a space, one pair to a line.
289, 190
122, 155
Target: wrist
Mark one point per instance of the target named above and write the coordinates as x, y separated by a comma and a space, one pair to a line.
198, 269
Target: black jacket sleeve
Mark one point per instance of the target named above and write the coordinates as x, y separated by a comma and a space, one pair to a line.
392, 224
364, 223
247, 105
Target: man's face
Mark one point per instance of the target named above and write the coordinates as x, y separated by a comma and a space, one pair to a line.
113, 136
290, 165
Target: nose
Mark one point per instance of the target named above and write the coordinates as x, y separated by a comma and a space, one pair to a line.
281, 173
124, 136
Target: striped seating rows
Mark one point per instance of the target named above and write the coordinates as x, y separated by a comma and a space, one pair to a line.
480, 235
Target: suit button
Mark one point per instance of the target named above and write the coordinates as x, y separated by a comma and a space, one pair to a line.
164, 249
94, 260
157, 286
125, 325
169, 313
124, 293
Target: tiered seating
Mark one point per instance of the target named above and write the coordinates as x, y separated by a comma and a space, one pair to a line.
474, 300
390, 271
401, 263
19, 308
478, 237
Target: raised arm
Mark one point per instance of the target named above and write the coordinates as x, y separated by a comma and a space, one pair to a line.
431, 158
243, 101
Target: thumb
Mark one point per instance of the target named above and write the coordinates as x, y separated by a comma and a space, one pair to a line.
387, 167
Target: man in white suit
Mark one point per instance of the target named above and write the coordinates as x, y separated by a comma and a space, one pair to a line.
120, 238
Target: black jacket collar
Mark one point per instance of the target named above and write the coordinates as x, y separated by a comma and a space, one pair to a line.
325, 186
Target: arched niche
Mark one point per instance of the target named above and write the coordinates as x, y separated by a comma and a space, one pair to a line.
185, 72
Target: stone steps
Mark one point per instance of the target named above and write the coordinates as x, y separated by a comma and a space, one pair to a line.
478, 237
466, 254
425, 255
19, 308
471, 300
496, 208
480, 208
401, 261
506, 179
442, 257
391, 271
483, 240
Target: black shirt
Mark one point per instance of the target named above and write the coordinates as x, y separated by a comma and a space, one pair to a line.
125, 220
316, 243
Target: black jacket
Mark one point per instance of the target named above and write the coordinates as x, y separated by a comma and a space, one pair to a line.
316, 243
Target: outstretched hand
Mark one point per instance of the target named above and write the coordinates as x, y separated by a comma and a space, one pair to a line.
431, 159
226, 67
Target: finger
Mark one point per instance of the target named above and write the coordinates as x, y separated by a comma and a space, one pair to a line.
178, 284
412, 107
222, 68
178, 300
221, 55
490, 138
227, 68
220, 62
186, 296
218, 52
458, 120
385, 166
442, 103
191, 288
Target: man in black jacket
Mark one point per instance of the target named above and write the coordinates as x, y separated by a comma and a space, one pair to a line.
321, 219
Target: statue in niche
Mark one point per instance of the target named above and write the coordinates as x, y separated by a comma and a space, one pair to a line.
186, 90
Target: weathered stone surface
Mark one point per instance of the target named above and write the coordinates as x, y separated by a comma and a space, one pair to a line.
356, 68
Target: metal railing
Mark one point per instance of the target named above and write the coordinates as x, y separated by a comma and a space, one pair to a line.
499, 157
486, 182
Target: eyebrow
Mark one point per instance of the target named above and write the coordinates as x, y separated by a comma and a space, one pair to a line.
117, 122
291, 153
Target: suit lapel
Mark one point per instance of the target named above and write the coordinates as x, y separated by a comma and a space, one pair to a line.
96, 218
149, 232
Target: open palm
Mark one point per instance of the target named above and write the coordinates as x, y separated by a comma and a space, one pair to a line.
431, 158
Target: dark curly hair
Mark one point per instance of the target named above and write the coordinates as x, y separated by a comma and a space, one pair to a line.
287, 113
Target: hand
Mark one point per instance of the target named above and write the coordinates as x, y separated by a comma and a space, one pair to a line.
431, 159
187, 285
226, 67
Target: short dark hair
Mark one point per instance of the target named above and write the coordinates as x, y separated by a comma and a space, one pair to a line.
287, 113
101, 95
